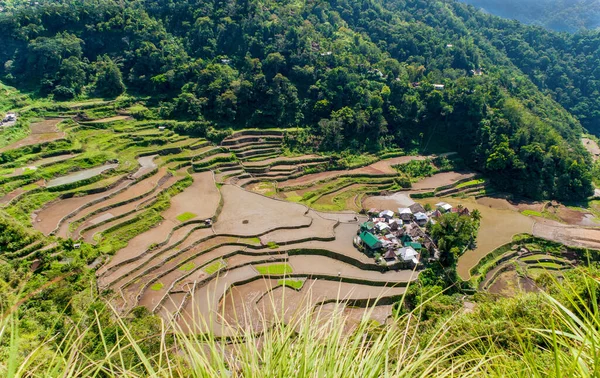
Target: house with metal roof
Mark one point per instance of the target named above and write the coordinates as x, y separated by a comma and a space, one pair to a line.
370, 240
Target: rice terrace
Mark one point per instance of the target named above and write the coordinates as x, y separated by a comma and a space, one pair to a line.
202, 231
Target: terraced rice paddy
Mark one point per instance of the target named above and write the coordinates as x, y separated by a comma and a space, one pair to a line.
188, 228
40, 132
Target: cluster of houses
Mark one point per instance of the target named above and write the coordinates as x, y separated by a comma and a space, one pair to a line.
401, 237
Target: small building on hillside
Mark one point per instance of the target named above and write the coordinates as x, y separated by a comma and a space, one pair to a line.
382, 226
414, 245
395, 224
405, 214
367, 226
417, 208
408, 254
369, 240
443, 207
390, 256
421, 219
388, 214
438, 87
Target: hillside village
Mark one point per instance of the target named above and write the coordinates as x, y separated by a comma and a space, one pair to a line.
401, 239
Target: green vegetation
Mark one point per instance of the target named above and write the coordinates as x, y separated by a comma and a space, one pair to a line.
532, 213
255, 241
417, 169
557, 15
470, 183
186, 216
272, 245
215, 267
357, 92
274, 269
157, 286
187, 267
294, 284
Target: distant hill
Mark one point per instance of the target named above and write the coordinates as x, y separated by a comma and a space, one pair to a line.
560, 15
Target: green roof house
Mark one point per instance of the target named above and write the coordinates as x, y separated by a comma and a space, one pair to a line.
367, 226
370, 240
414, 245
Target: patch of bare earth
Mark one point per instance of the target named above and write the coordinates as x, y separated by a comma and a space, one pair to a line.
246, 213
41, 132
592, 147
441, 179
565, 234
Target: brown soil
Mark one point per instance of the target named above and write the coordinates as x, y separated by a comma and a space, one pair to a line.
289, 304
134, 264
201, 198
248, 305
41, 132
392, 202
506, 284
47, 219
134, 190
566, 234
441, 179
592, 147
246, 213
314, 264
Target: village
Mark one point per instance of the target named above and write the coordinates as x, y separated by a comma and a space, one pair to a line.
401, 239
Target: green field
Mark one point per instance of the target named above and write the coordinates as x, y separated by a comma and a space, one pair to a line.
275, 269
215, 267
186, 216
294, 284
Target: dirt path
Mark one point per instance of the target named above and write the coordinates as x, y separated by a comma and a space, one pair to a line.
41, 132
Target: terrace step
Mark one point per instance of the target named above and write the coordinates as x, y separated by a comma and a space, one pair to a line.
465, 189
252, 145
260, 157
258, 152
251, 138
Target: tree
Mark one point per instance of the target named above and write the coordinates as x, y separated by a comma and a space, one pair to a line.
109, 80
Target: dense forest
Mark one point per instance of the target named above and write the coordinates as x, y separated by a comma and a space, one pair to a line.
559, 15
358, 75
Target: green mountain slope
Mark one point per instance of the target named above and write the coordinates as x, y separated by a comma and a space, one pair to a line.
559, 15
359, 74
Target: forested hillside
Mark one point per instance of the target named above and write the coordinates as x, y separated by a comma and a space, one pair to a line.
559, 15
358, 75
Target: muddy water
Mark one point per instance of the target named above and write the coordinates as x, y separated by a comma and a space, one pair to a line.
81, 175
498, 226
